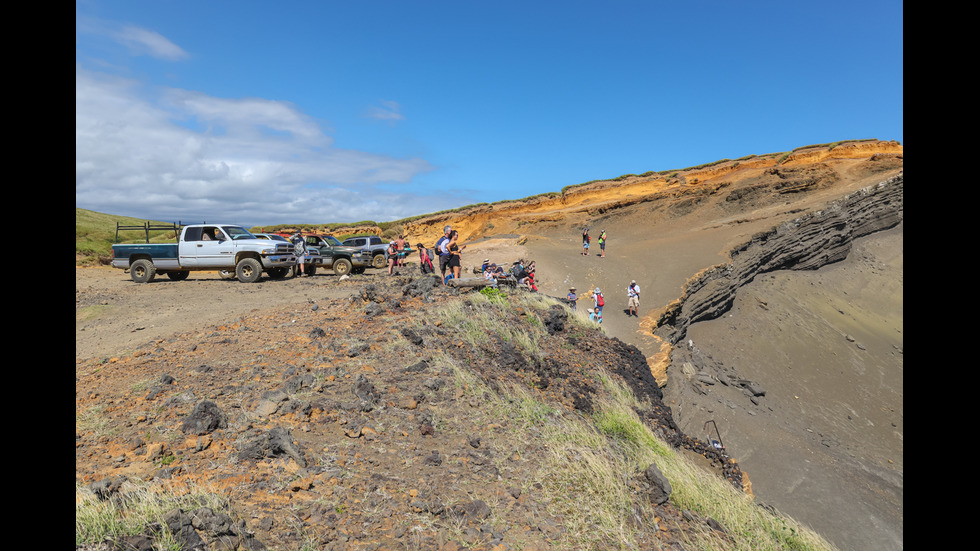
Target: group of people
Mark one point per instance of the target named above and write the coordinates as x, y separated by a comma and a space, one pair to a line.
524, 274
599, 301
449, 253
587, 240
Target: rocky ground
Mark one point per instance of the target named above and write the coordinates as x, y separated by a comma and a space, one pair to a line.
342, 422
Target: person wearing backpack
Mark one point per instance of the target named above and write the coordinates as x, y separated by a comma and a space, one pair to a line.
600, 301
299, 246
424, 260
602, 244
442, 250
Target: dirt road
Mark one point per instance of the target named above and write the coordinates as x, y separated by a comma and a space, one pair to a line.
113, 315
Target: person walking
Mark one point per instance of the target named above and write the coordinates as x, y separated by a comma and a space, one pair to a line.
585, 242
602, 244
633, 292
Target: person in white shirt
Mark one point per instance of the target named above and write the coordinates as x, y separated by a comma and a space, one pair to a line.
633, 291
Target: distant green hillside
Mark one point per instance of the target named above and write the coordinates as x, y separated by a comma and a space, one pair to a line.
95, 231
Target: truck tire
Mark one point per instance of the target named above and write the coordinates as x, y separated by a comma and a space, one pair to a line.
178, 276
249, 270
278, 273
310, 269
142, 271
341, 266
226, 274
379, 261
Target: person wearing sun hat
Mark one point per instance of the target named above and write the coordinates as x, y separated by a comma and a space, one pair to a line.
633, 292
598, 301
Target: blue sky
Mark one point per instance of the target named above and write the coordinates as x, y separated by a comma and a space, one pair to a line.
325, 111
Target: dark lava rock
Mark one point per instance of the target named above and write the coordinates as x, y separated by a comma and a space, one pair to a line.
205, 418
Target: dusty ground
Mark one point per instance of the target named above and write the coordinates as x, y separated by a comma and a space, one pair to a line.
811, 452
113, 315
344, 424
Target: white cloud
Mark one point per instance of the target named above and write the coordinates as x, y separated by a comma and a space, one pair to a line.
387, 111
183, 155
244, 114
146, 42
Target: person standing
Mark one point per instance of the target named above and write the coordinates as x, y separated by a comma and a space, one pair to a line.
299, 246
455, 254
442, 251
633, 292
585, 242
400, 242
572, 297
598, 301
392, 257
602, 244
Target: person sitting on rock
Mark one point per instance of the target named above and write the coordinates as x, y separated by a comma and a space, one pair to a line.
489, 276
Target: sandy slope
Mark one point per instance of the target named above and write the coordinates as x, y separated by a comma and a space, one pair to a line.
825, 444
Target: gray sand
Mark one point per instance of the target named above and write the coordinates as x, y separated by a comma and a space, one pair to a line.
824, 445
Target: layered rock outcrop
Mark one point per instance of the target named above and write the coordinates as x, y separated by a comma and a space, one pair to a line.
806, 243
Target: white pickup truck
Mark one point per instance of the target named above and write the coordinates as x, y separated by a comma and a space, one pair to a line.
214, 247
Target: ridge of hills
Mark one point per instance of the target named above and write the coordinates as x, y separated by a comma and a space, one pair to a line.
600, 196
393, 413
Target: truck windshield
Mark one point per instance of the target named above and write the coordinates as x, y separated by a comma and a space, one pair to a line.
236, 232
331, 240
